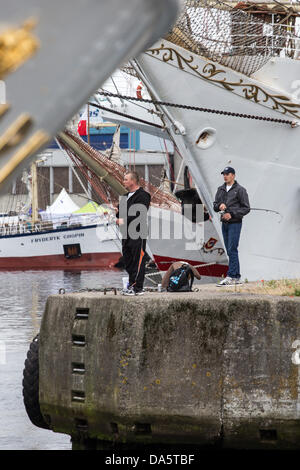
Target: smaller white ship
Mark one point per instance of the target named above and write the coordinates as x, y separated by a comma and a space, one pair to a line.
62, 237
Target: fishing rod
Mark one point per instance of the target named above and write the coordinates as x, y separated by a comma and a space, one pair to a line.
258, 209
110, 222
266, 210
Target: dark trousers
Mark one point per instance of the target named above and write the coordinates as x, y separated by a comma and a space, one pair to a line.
231, 236
131, 250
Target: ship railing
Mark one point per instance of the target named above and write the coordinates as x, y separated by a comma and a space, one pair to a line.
13, 229
235, 38
45, 226
250, 38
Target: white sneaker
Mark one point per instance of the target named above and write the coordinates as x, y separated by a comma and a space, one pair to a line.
128, 292
140, 292
228, 281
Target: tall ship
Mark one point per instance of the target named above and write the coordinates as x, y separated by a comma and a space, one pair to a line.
226, 80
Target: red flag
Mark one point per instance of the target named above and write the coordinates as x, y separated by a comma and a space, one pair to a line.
82, 127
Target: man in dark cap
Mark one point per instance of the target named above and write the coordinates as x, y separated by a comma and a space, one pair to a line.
233, 203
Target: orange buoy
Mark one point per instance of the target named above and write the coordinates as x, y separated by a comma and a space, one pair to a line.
139, 90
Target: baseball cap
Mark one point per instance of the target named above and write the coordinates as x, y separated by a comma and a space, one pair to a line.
228, 169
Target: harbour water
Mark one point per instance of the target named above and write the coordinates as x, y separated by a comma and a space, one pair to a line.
22, 301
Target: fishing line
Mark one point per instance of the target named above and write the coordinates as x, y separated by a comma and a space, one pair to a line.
267, 210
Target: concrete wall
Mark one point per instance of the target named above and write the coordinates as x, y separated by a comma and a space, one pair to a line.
172, 368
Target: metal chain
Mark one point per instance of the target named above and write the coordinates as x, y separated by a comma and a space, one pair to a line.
197, 108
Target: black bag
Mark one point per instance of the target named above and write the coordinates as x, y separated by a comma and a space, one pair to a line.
181, 280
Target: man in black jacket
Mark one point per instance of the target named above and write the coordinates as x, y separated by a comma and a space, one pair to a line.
132, 220
233, 203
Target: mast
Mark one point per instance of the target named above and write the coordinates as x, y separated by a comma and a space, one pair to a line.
34, 195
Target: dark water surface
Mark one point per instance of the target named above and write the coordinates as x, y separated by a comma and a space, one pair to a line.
22, 300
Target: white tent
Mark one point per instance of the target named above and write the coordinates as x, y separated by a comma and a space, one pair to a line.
63, 204
61, 209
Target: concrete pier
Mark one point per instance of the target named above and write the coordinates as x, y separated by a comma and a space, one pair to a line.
191, 368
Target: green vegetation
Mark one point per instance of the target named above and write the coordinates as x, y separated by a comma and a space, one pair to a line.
285, 287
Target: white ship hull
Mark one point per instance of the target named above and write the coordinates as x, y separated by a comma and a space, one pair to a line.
90, 247
190, 247
264, 154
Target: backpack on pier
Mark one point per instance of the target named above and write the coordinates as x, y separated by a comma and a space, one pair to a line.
181, 280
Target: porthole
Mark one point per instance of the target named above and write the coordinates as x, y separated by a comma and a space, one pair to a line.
206, 138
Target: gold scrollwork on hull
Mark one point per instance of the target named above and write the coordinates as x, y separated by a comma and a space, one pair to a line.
211, 73
17, 44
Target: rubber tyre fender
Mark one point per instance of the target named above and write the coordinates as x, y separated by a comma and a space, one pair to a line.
31, 386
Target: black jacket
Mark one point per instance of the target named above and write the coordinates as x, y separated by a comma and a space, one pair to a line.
236, 201
139, 197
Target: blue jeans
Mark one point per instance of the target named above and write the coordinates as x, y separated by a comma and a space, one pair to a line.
231, 236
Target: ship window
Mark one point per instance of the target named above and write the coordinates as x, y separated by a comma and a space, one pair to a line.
204, 136
72, 251
207, 138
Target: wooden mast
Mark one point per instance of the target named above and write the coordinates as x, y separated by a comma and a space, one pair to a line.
34, 195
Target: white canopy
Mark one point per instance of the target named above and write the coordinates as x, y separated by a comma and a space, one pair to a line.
63, 205
61, 209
